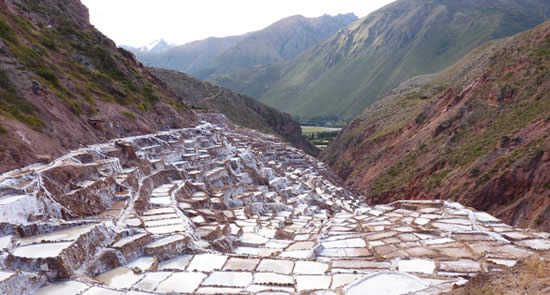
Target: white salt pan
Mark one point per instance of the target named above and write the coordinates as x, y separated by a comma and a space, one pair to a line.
386, 283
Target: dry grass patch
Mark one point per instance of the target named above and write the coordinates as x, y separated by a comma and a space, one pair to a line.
531, 276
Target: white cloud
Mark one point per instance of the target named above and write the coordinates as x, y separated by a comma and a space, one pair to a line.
137, 22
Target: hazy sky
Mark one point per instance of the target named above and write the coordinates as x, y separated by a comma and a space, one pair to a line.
138, 22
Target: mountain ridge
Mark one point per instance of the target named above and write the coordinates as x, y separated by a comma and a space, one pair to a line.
282, 40
373, 55
190, 57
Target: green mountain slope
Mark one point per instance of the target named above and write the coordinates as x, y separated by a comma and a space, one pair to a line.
477, 133
240, 109
280, 41
336, 80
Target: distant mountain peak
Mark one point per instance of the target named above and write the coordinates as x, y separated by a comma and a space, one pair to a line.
155, 46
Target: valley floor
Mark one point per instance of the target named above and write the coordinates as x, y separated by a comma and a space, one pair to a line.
218, 209
319, 136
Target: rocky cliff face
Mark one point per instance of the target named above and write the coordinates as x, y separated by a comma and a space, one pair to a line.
241, 109
63, 84
477, 133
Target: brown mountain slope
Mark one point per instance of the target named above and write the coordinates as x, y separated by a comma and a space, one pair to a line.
63, 84
477, 133
240, 109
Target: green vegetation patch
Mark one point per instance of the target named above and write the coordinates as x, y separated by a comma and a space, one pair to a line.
398, 175
3, 130
49, 76
104, 61
309, 130
437, 178
14, 106
129, 115
320, 136
150, 94
507, 120
7, 33
49, 43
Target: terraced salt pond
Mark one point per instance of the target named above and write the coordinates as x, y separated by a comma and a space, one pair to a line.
217, 209
41, 250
